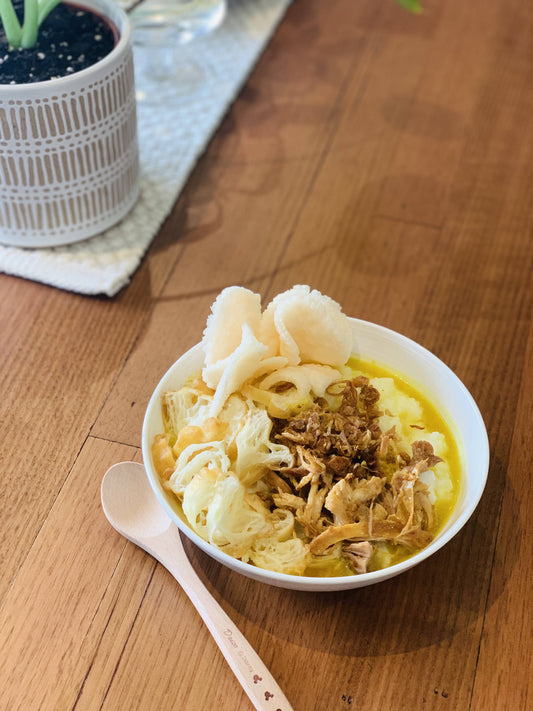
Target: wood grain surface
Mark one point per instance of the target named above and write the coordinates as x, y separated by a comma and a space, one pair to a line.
385, 159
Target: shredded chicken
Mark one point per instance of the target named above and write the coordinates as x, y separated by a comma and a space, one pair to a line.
359, 554
348, 494
350, 483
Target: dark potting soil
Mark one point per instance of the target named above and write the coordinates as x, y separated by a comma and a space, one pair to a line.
71, 38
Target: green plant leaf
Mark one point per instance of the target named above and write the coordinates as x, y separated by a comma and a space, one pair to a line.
45, 8
35, 13
411, 5
10, 22
30, 24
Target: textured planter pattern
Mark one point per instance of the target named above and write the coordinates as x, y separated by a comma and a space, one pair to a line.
68, 152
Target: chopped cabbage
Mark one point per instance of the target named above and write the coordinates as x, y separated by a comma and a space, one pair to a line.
220, 510
186, 406
255, 451
193, 459
291, 557
282, 551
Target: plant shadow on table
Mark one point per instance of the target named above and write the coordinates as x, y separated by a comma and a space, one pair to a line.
194, 221
432, 602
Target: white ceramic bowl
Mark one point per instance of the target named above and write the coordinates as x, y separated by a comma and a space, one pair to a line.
433, 378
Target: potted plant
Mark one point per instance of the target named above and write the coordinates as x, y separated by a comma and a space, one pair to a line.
68, 135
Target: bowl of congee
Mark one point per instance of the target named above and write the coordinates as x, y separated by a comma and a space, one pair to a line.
310, 450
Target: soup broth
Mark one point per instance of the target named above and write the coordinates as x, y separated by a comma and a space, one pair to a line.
282, 535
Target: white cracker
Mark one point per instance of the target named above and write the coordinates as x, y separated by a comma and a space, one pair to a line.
238, 367
308, 326
232, 308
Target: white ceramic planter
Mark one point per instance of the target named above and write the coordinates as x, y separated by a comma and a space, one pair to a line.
69, 165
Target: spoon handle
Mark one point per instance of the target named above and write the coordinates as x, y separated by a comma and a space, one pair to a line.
253, 675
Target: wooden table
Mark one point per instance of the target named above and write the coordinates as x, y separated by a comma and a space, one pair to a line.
387, 160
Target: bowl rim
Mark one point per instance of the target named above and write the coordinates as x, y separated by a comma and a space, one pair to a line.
316, 584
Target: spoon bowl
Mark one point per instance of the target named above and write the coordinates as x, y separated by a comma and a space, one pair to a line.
129, 502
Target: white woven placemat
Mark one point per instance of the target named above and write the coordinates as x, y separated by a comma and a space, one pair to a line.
170, 143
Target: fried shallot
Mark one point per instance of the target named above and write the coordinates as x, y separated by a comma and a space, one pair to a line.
350, 484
